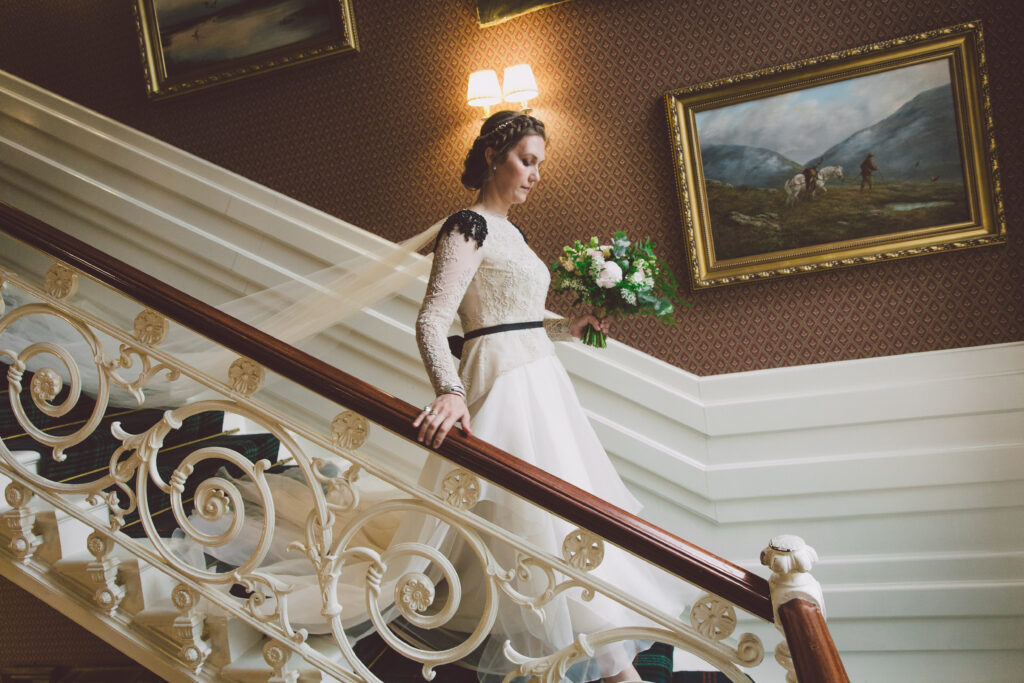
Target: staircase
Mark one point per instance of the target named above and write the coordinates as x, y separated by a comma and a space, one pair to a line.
142, 610
137, 597
147, 604
71, 528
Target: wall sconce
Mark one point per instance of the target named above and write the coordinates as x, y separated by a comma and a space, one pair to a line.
483, 90
520, 86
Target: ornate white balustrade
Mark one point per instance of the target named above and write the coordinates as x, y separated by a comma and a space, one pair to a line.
346, 507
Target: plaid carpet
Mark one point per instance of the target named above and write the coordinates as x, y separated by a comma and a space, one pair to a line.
89, 460
653, 665
392, 667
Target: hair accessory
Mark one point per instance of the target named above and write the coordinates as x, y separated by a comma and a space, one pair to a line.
503, 124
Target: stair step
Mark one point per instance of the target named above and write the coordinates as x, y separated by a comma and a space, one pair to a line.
251, 667
230, 638
62, 534
28, 460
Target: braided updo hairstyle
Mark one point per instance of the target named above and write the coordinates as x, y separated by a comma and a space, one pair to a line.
501, 131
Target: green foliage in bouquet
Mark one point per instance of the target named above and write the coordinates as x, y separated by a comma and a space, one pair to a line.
621, 278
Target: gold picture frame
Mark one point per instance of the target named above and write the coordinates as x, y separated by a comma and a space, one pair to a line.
191, 45
494, 12
764, 161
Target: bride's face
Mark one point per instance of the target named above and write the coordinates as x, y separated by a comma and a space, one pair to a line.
513, 178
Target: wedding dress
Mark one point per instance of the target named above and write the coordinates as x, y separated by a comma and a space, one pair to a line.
521, 400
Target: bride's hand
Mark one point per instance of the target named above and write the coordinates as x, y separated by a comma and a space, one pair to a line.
577, 324
439, 417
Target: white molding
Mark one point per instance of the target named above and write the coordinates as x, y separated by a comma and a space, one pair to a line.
905, 472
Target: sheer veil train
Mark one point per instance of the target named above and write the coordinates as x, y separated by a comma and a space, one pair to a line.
293, 311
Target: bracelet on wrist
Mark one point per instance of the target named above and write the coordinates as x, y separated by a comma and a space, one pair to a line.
456, 389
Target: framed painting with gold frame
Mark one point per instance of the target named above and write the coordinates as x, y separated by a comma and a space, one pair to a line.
491, 12
189, 45
873, 153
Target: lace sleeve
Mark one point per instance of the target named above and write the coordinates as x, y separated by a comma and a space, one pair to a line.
457, 255
558, 329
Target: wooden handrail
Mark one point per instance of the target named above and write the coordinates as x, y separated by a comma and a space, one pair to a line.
814, 654
708, 571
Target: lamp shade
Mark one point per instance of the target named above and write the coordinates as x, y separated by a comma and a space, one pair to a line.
483, 89
520, 85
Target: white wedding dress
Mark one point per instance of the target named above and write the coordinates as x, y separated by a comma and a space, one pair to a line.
521, 400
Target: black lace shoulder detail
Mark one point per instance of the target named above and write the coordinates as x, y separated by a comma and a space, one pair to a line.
470, 224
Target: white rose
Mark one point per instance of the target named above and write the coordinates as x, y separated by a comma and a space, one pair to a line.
596, 255
609, 275
638, 276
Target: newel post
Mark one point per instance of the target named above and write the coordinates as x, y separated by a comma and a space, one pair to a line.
807, 652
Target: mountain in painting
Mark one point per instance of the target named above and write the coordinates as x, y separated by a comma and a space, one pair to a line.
743, 165
916, 143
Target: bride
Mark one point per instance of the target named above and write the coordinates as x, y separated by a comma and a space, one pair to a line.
512, 392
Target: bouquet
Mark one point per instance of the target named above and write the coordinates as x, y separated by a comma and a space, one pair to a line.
621, 278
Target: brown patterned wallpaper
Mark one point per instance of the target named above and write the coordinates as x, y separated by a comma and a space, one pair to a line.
377, 138
33, 634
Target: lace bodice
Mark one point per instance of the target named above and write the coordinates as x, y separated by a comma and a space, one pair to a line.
484, 270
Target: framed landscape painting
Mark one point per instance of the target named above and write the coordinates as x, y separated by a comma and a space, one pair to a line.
490, 12
188, 45
874, 153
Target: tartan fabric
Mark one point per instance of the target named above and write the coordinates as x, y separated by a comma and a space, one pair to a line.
94, 452
90, 458
655, 664
8, 423
391, 667
700, 677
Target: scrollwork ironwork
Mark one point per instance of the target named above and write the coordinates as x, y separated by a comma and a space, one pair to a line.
785, 660
415, 579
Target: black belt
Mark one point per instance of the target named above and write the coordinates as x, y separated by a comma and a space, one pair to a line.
456, 342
